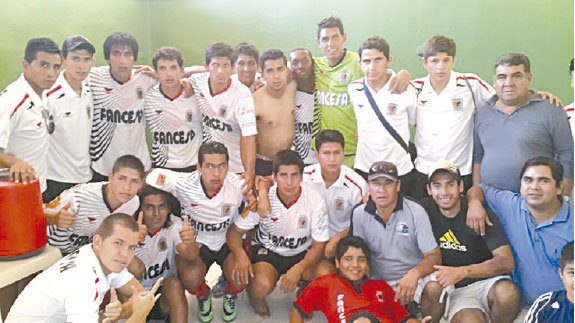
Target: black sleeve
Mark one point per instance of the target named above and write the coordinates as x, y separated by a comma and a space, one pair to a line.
303, 314
494, 235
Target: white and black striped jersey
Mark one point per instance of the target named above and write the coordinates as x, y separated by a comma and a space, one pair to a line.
90, 205
175, 127
303, 135
118, 124
290, 229
210, 216
158, 253
227, 115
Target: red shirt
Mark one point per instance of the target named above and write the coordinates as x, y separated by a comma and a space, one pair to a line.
338, 300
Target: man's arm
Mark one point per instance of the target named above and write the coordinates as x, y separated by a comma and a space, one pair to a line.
126, 291
408, 283
289, 281
332, 243
295, 316
400, 82
248, 154
476, 216
20, 171
562, 141
188, 249
242, 268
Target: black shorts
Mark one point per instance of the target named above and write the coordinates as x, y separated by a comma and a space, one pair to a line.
281, 263
54, 189
264, 167
208, 256
188, 169
156, 312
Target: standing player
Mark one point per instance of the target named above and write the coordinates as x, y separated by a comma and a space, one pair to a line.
24, 120
245, 60
227, 109
74, 216
373, 93
289, 242
570, 109
274, 109
173, 118
70, 105
212, 197
118, 92
166, 237
301, 66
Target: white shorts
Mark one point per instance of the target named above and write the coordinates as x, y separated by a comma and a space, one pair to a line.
420, 286
471, 296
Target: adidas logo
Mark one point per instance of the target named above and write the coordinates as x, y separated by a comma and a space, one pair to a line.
450, 242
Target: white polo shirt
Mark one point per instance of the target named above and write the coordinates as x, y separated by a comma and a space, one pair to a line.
227, 115
69, 153
71, 290
289, 229
175, 127
118, 124
445, 121
23, 129
340, 197
374, 143
303, 134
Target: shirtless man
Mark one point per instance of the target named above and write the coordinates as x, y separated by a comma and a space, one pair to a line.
274, 106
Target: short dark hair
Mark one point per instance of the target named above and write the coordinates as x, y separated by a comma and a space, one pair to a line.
272, 54
287, 158
375, 43
245, 49
514, 59
106, 228
329, 22
329, 135
129, 161
77, 42
555, 167
212, 147
439, 44
120, 39
168, 54
364, 314
219, 50
566, 256
455, 177
301, 48
353, 241
36, 45
169, 199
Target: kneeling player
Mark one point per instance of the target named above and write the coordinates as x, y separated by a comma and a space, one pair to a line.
350, 294
155, 258
212, 197
298, 221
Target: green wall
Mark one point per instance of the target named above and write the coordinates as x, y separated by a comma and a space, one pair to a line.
542, 29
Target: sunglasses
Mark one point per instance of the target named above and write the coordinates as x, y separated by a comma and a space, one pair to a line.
49, 120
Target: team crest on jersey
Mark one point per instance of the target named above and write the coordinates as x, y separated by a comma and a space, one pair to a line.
344, 78
139, 93
226, 210
402, 228
457, 104
391, 108
222, 111
189, 116
339, 204
379, 295
302, 222
162, 244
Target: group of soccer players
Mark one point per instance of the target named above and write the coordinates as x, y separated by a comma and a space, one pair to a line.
288, 169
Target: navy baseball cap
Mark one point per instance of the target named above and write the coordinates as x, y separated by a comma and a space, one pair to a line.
78, 42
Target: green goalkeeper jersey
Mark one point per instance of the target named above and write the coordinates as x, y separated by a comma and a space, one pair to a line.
333, 107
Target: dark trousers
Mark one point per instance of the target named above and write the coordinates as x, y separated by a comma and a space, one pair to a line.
54, 189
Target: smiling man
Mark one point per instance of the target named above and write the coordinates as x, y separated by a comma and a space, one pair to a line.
245, 60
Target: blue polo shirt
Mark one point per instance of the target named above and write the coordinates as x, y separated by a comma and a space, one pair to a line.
536, 247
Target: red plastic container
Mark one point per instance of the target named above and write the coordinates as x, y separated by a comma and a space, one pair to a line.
22, 220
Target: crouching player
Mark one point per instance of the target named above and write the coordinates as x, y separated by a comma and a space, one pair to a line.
290, 241
344, 296
165, 236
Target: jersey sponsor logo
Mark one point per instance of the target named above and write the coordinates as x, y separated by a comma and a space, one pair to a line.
402, 228
287, 242
423, 102
156, 270
68, 114
298, 107
457, 104
139, 93
244, 109
209, 227
344, 78
332, 99
222, 111
340, 308
216, 124
302, 222
162, 244
391, 108
339, 204
173, 138
360, 106
449, 242
379, 295
117, 116
304, 127
78, 240
158, 112
70, 261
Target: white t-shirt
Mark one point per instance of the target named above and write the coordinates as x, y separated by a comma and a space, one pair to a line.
340, 198
23, 128
69, 153
445, 122
71, 290
88, 202
303, 135
374, 142
289, 230
159, 253
227, 115
175, 127
210, 216
118, 123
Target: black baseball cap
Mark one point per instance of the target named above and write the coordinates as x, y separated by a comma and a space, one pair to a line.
77, 42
